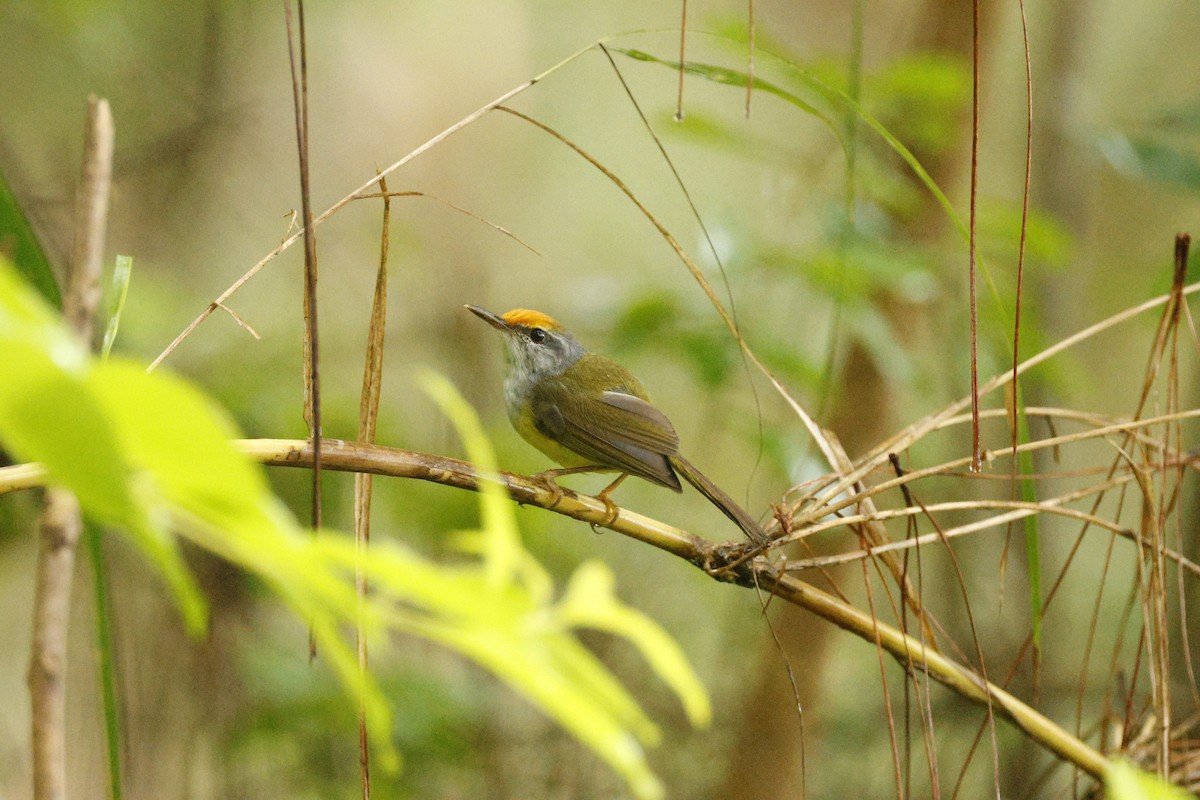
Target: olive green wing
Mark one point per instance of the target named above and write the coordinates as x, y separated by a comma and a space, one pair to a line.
611, 429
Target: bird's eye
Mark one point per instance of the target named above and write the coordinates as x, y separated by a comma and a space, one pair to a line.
537, 336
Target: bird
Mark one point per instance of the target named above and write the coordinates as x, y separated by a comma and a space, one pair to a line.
590, 414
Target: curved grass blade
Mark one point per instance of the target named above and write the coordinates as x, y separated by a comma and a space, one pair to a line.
733, 77
107, 657
118, 290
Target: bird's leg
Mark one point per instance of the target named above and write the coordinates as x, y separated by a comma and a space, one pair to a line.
609, 505
546, 479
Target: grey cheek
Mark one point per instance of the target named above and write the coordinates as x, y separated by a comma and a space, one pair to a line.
514, 353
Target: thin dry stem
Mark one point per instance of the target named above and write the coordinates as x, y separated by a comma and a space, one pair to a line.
902, 440
682, 50
59, 532
897, 770
312, 349
368, 416
349, 198
459, 209
242, 323
60, 523
825, 502
1021, 510
91, 220
973, 298
875, 536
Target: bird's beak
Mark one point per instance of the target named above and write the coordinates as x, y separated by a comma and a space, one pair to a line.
490, 318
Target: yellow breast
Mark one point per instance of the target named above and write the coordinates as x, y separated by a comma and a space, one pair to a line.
522, 421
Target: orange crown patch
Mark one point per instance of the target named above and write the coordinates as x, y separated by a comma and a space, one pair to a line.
531, 319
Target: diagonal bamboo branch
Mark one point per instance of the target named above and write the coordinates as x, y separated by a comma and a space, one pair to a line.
731, 562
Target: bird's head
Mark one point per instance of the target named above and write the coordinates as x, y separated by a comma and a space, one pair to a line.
537, 345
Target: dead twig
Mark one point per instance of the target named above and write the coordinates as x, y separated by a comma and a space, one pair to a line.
60, 522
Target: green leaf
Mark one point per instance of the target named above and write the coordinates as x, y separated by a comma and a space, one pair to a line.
51, 415
567, 682
523, 642
18, 243
1047, 240
25, 317
1126, 782
590, 602
502, 542
118, 290
182, 439
1183, 119
711, 354
53, 410
733, 77
148, 454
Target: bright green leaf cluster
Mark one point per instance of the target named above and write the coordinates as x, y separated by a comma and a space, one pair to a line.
514, 629
60, 408
150, 455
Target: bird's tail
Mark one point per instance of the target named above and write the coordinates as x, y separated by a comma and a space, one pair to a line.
718, 498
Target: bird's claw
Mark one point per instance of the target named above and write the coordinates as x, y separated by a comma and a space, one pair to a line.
547, 482
611, 512
726, 562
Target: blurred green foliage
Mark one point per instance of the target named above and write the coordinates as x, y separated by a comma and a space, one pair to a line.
22, 248
1148, 158
1126, 782
148, 454
920, 98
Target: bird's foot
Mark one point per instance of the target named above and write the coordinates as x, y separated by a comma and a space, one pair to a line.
729, 562
547, 482
612, 512
611, 515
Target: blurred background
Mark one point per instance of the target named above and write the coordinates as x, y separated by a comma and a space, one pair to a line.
849, 284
